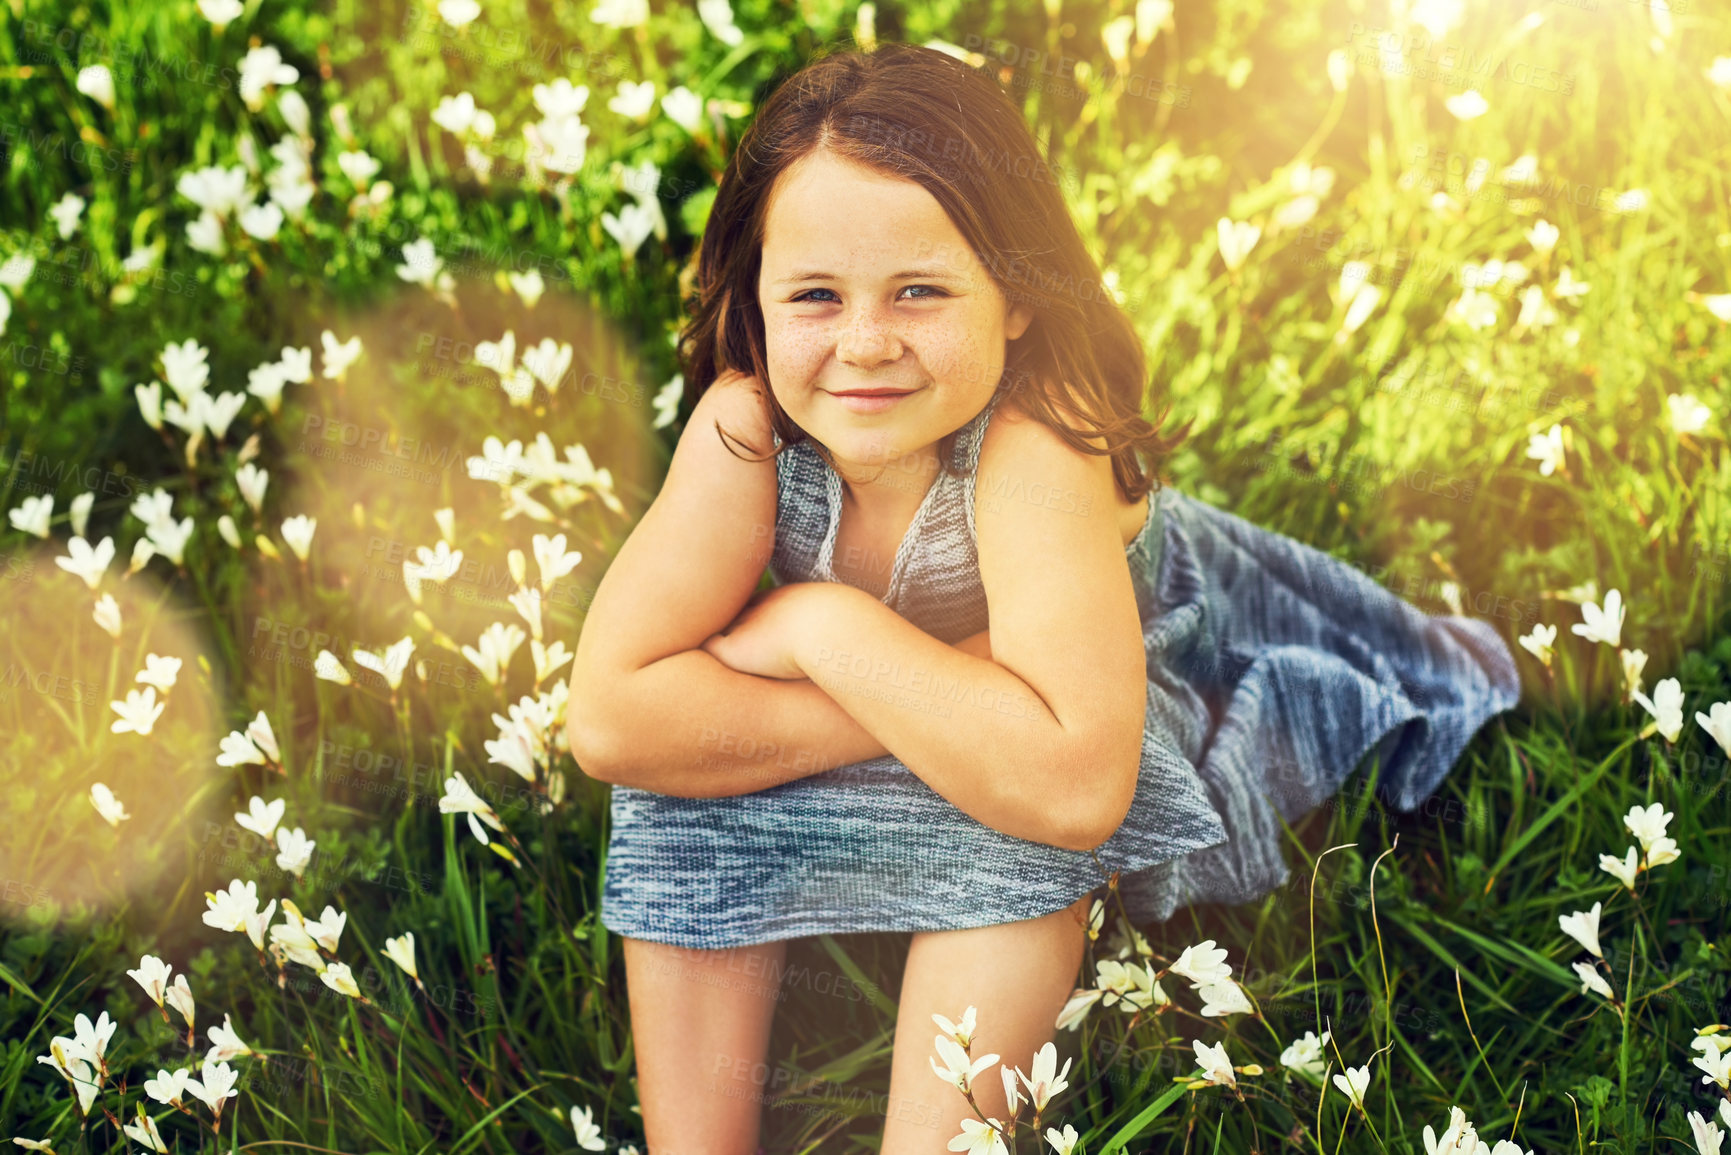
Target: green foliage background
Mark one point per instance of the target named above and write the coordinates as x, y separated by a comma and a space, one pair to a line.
1400, 447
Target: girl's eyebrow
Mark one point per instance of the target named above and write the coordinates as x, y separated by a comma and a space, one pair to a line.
904, 275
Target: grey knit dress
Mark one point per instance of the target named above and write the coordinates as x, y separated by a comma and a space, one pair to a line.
1273, 670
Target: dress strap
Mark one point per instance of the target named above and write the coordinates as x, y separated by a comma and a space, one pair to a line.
972, 435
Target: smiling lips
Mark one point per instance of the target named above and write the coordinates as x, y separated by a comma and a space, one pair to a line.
870, 400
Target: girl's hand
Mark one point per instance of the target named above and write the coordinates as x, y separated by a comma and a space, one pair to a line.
761, 639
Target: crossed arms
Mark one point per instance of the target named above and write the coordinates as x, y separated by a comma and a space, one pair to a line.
1035, 731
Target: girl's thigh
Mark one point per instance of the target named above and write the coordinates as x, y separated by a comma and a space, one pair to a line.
1017, 975
700, 1022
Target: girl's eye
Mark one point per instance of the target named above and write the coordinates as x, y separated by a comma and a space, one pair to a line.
933, 290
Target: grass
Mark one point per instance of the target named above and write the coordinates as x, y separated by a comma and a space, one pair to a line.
1398, 445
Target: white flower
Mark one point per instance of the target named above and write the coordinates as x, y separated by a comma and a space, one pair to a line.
295, 112
179, 996
455, 113
1591, 980
138, 713
979, 1138
1662, 851
295, 851
529, 286
1666, 706
107, 805
205, 234
220, 13
1622, 869
338, 357
459, 13
635, 100
1634, 661
421, 264
260, 68
1223, 997
630, 228
97, 83
240, 750
217, 190
588, 1134
66, 212
251, 480
1718, 1068
1719, 72
1306, 1055
150, 403
1468, 105
297, 532
684, 107
169, 538
331, 669
327, 929
230, 909
261, 222
1647, 823
107, 616
958, 1070
169, 1087
717, 16
1539, 641
1567, 287
261, 817
547, 362
152, 974
1583, 927
460, 798
1063, 1143
620, 13
1202, 964
184, 366
358, 166
226, 1043
1708, 1138
667, 401
297, 364
548, 659
1632, 201
388, 663
1717, 723
1475, 309
259, 730
1602, 624
15, 272
401, 950
961, 1033
498, 643
1236, 239
1364, 302
1047, 1081
32, 515
1215, 1063
552, 559
79, 512
1543, 236
1353, 1083
145, 1132
1686, 413
215, 1085
85, 563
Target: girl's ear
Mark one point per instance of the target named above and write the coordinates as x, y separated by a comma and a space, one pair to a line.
1020, 317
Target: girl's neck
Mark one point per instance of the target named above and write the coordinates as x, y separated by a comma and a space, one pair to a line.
896, 482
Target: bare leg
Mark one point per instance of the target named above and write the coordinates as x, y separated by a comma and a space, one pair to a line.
700, 1022
1018, 975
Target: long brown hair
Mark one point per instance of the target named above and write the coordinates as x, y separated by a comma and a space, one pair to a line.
918, 114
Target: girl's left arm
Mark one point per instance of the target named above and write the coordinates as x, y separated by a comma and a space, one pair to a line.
1042, 740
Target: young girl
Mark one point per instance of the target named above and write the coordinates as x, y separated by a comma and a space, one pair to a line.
917, 405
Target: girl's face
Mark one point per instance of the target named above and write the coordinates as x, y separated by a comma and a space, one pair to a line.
868, 287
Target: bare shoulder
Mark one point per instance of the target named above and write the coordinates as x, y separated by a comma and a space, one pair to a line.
738, 405
1018, 441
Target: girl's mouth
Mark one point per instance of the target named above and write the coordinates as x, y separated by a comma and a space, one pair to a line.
871, 400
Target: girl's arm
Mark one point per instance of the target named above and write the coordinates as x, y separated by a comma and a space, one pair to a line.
1043, 739
648, 707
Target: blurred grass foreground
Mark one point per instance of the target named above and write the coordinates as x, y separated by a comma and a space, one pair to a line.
336, 361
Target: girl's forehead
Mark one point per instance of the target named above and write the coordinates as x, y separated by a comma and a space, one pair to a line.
828, 210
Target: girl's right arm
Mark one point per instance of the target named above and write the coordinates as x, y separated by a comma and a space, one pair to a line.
649, 707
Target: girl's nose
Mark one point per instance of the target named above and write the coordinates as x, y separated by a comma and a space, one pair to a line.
866, 341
